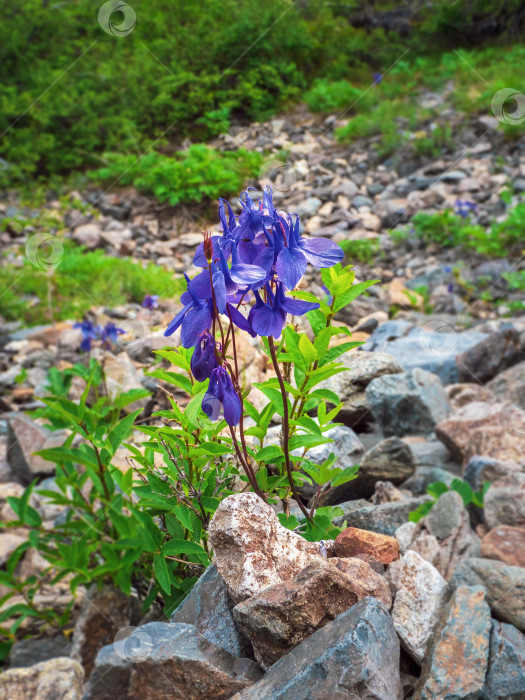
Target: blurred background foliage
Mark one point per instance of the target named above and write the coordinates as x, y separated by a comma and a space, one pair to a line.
70, 93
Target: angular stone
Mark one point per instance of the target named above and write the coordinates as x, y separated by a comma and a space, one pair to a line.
28, 652
355, 656
504, 502
405, 535
509, 385
88, 235
58, 679
408, 404
483, 429
493, 354
384, 518
168, 660
353, 541
418, 604
507, 544
390, 459
23, 439
457, 661
350, 386
208, 607
280, 617
252, 549
506, 672
104, 612
505, 586
445, 516
462, 394
480, 469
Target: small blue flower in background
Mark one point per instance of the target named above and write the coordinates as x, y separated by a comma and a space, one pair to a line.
378, 77
151, 301
204, 360
89, 333
109, 334
464, 208
447, 269
221, 394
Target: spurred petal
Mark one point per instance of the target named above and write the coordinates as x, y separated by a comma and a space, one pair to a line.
297, 307
232, 406
200, 286
179, 318
196, 321
290, 266
321, 252
239, 320
247, 274
268, 321
219, 290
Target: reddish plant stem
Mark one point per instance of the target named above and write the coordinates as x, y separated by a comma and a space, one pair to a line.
285, 429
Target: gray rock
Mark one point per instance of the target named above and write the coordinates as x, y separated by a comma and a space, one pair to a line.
355, 656
509, 385
57, 679
504, 502
361, 201
209, 608
506, 670
456, 664
433, 347
408, 404
493, 354
32, 651
350, 386
390, 459
505, 586
384, 518
24, 437
168, 660
481, 469
445, 516
309, 207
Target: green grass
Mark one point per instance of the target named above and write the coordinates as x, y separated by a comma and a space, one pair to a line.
188, 176
501, 239
81, 281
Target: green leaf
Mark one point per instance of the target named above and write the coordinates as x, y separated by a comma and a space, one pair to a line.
212, 448
269, 453
317, 320
307, 350
177, 547
122, 430
183, 515
338, 350
161, 573
288, 521
436, 489
175, 357
355, 290
346, 475
174, 378
463, 489
298, 441
420, 512
59, 455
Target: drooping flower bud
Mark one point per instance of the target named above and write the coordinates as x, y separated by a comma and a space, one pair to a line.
208, 249
221, 395
204, 360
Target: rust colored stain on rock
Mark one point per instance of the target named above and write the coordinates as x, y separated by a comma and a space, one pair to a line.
506, 544
353, 541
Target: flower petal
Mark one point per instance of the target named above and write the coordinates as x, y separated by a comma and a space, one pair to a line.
199, 259
196, 321
232, 406
268, 321
320, 252
290, 266
297, 307
219, 291
247, 274
179, 318
239, 320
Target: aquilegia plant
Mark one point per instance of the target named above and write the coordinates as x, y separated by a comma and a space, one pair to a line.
249, 284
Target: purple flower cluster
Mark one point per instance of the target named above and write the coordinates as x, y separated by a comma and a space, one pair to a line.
260, 255
107, 334
151, 301
464, 208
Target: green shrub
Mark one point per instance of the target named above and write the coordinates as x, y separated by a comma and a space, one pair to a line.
188, 176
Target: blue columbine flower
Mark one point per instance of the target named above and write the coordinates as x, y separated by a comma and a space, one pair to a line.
204, 360
221, 394
269, 318
150, 301
89, 333
463, 208
109, 334
377, 77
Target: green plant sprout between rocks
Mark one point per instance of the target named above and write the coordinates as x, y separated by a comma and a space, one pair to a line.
145, 529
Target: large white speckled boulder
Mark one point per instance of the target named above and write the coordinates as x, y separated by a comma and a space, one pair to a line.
252, 549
